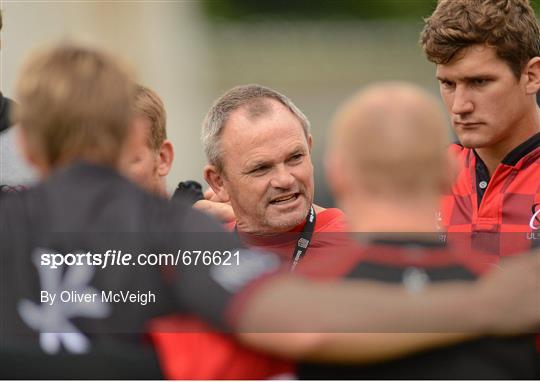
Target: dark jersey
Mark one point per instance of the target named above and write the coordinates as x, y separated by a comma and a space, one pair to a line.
5, 112
415, 265
51, 236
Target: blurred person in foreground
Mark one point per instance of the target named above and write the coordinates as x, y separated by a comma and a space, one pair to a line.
487, 54
75, 112
372, 165
149, 154
259, 145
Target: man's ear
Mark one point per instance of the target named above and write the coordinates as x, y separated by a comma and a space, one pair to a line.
532, 73
216, 180
166, 157
309, 142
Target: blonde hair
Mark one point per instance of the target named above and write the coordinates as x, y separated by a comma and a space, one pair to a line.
381, 132
149, 105
75, 104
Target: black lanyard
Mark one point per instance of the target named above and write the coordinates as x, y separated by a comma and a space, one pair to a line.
304, 239
302, 244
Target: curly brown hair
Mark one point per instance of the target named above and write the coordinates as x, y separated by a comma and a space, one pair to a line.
509, 26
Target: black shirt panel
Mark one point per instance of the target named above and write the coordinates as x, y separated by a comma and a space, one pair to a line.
489, 358
6, 106
91, 208
110, 360
484, 359
482, 178
378, 272
523, 149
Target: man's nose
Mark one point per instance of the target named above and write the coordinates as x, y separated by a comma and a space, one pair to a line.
282, 178
462, 102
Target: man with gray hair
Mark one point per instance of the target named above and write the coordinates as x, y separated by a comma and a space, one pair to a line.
258, 146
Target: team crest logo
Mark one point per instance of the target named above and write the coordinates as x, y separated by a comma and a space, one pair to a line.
53, 321
535, 219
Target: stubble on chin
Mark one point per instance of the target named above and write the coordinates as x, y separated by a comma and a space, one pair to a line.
286, 223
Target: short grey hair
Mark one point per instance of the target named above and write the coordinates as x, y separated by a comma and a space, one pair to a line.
253, 96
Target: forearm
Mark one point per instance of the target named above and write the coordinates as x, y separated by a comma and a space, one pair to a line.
295, 305
504, 301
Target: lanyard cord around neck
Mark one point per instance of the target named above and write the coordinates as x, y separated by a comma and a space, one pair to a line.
304, 239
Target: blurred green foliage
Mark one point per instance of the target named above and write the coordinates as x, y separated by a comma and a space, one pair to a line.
262, 10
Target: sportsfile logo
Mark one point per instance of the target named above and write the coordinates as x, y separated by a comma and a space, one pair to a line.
535, 219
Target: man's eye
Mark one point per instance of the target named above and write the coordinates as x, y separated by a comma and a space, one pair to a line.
447, 84
480, 82
296, 158
259, 170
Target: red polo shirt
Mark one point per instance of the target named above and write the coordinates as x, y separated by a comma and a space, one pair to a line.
330, 226
497, 214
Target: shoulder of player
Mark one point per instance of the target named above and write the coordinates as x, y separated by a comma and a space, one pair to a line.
330, 220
